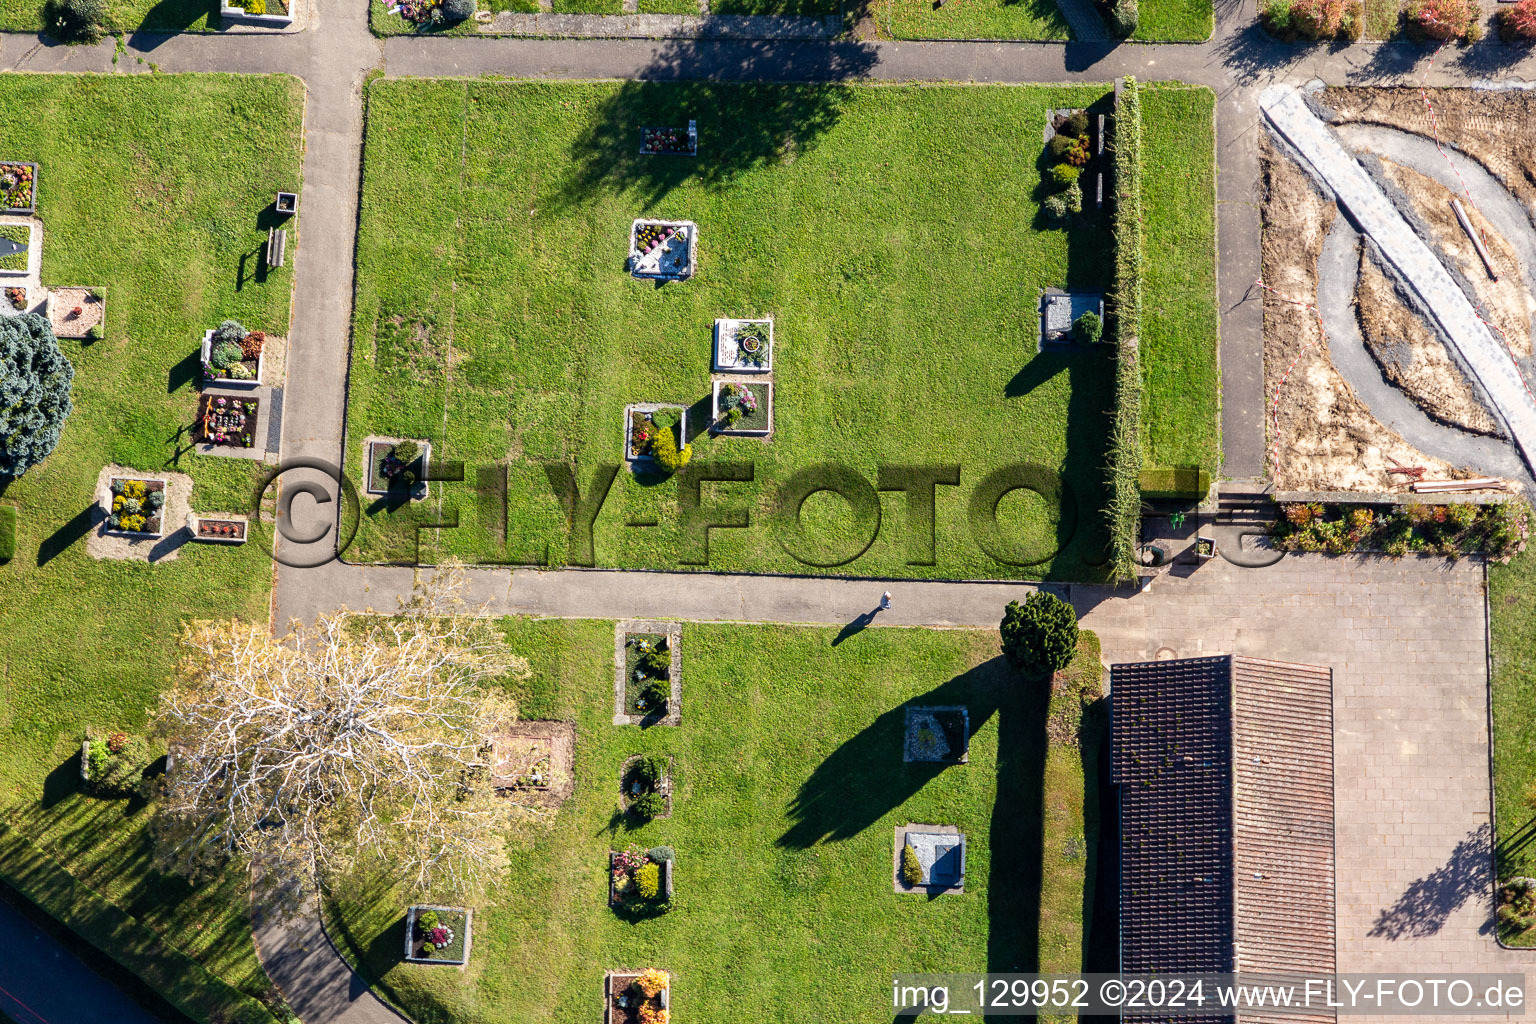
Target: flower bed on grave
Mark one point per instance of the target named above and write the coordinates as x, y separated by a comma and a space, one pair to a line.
437, 935
79, 313
136, 506
662, 249
937, 734
744, 346
670, 141
638, 997
227, 420
16, 262
743, 408
115, 766
398, 464
18, 187
640, 880
645, 786
647, 674
217, 529
232, 355
16, 299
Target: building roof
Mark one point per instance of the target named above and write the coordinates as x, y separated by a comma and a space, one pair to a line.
1224, 767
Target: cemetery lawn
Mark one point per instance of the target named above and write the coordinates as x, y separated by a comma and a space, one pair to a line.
497, 319
123, 15
789, 786
1181, 325
153, 192
1160, 21
1513, 619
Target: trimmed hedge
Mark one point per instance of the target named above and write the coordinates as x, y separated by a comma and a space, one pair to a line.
7, 533
1189, 483
1124, 511
137, 948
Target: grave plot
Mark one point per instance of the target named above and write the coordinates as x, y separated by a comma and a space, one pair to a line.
1071, 318
135, 506
929, 859
645, 786
640, 881
233, 356
18, 188
643, 425
636, 997
663, 250
648, 677
219, 527
670, 141
742, 408
744, 346
437, 935
227, 421
397, 465
533, 762
937, 734
77, 312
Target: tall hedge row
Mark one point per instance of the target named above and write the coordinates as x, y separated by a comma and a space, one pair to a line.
1125, 308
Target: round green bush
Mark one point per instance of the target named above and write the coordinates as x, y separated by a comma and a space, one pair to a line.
1059, 146
1088, 329
76, 20
1076, 124
1123, 18
1040, 635
649, 805
1062, 175
120, 774
657, 662
648, 880
656, 696
911, 869
650, 770
229, 332
225, 355
660, 853
458, 10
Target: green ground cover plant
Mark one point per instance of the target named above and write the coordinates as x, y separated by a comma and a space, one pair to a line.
154, 193
22, 235
786, 819
1180, 323
498, 321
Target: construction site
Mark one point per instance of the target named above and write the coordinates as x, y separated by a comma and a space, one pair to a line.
1398, 249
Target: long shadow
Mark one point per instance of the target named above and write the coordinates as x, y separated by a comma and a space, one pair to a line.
169, 18
741, 126
1511, 855
185, 372
60, 540
1041, 367
1428, 902
1017, 839
865, 779
1253, 53
855, 627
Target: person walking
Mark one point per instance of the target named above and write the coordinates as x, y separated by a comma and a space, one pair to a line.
885, 600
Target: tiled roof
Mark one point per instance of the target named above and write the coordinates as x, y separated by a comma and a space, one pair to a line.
1283, 824
1224, 767
1171, 728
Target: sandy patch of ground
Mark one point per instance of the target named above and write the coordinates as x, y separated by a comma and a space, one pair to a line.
1326, 438
1506, 302
178, 502
1496, 127
64, 301
1412, 356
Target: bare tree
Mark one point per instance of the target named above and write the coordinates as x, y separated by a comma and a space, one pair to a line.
361, 741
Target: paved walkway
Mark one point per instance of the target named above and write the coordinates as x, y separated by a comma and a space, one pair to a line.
41, 982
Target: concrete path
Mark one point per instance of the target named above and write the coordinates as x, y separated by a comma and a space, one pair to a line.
1338, 269
41, 982
1339, 172
305, 966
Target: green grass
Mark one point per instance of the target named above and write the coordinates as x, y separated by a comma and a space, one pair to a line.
1180, 324
124, 15
151, 188
1513, 616
789, 783
1160, 20
22, 234
498, 321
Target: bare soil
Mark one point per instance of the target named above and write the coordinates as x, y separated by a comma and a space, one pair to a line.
1495, 127
1326, 438
1412, 356
521, 746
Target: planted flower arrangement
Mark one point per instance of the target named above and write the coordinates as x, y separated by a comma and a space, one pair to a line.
137, 506
18, 187
16, 298
227, 420
647, 674
437, 935
1496, 531
743, 408
398, 465
662, 249
640, 880
220, 529
674, 141
638, 997
232, 354
744, 346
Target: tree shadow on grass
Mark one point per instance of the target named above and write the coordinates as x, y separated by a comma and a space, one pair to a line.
742, 126
76, 529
